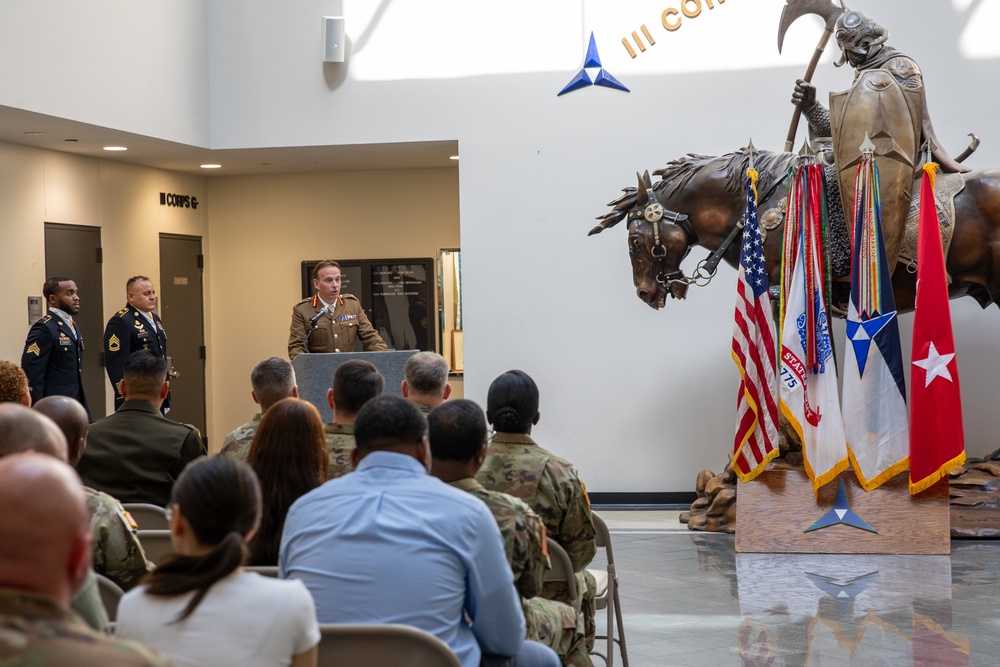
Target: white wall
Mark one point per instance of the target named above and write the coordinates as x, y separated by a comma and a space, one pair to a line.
640, 400
134, 66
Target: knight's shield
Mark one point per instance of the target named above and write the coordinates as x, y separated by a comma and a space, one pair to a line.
890, 115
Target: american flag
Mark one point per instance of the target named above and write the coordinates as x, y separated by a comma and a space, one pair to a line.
754, 352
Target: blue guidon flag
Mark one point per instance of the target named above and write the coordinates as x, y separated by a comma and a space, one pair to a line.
874, 403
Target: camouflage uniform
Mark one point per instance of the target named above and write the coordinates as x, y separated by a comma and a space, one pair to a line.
339, 444
424, 409
515, 464
236, 445
88, 604
36, 631
117, 552
555, 624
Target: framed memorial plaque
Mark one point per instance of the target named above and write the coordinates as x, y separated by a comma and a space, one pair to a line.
397, 295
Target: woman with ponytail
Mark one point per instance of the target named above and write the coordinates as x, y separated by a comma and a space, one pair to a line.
199, 607
549, 484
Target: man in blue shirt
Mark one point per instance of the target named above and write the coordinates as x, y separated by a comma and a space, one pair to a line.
388, 543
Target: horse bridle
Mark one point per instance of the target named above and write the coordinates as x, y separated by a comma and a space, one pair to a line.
654, 212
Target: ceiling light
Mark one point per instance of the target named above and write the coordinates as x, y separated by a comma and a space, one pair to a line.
453, 157
211, 166
35, 134
116, 148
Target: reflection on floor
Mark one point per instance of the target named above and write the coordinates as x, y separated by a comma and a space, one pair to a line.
690, 600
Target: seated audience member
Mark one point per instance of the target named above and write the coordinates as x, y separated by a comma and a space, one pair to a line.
22, 430
136, 453
391, 544
13, 384
270, 381
457, 432
425, 380
515, 464
199, 606
42, 563
289, 456
117, 553
355, 382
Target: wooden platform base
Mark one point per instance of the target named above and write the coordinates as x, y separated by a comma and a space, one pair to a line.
775, 509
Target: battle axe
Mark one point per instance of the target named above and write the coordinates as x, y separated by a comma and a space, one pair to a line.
793, 9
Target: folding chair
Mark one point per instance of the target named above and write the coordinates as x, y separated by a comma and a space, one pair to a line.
156, 544
377, 645
607, 596
111, 595
561, 570
149, 517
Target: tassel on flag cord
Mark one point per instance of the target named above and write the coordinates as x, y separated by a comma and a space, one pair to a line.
808, 386
874, 405
937, 440
756, 440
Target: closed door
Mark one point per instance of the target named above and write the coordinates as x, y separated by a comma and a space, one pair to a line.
74, 251
181, 308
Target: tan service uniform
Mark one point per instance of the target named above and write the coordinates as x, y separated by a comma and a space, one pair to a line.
336, 331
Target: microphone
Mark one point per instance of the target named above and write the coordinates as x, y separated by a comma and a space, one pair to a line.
315, 318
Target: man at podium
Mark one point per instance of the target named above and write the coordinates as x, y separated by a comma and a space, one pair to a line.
330, 321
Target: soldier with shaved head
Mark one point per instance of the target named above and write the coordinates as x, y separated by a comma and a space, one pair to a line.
42, 563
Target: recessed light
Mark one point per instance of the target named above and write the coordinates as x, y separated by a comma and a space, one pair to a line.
70, 139
35, 134
453, 157
116, 148
211, 166
265, 164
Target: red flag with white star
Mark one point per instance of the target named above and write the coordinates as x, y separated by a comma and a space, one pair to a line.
937, 442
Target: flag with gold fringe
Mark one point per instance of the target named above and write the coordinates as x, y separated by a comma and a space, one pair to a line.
808, 384
874, 406
937, 440
754, 351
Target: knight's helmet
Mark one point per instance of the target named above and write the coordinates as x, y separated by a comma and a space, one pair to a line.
858, 37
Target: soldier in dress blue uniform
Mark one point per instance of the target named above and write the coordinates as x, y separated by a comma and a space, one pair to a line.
53, 352
134, 327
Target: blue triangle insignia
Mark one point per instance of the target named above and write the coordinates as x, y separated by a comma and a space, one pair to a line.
605, 79
592, 59
842, 589
861, 334
581, 80
841, 514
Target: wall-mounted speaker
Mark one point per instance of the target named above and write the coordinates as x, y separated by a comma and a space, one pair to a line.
333, 39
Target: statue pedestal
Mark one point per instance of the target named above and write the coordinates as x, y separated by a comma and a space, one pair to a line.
775, 509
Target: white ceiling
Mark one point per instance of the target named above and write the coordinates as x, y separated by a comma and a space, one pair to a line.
40, 131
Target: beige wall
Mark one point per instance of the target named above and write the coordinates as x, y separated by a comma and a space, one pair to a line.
39, 186
262, 229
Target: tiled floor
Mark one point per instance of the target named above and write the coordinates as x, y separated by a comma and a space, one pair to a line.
690, 600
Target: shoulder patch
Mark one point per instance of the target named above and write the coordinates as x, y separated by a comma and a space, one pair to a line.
34, 349
123, 311
46, 319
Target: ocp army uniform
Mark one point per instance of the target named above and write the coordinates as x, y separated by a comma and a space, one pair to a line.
129, 331
555, 624
335, 331
53, 359
339, 445
550, 485
116, 549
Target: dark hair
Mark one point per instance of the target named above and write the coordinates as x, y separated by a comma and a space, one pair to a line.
426, 373
133, 280
388, 422
144, 373
272, 380
355, 382
457, 429
219, 498
322, 265
289, 455
51, 285
512, 402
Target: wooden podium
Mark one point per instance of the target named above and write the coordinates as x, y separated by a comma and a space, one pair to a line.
775, 510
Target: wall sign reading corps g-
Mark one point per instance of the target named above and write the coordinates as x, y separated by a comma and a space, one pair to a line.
178, 201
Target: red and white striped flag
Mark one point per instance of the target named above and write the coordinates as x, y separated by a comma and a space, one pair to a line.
754, 352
